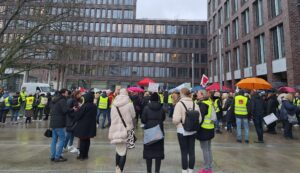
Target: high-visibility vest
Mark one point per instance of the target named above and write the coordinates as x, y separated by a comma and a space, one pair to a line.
240, 105
296, 102
18, 105
40, 104
207, 122
170, 100
161, 98
6, 102
216, 105
103, 102
29, 103
23, 95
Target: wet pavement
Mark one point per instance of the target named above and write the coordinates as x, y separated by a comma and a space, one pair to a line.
25, 149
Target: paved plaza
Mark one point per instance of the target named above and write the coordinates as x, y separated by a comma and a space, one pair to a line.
25, 149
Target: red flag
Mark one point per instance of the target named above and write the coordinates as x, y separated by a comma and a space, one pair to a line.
204, 80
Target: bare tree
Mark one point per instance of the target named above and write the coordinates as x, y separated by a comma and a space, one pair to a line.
23, 25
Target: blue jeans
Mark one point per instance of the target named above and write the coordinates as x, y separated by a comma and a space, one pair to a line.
106, 113
239, 122
57, 133
69, 139
14, 115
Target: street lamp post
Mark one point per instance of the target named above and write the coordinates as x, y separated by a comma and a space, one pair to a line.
220, 59
193, 80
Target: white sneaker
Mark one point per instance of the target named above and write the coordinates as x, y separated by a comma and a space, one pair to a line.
70, 147
184, 171
190, 171
74, 150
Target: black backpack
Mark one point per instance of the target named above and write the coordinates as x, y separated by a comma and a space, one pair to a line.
191, 122
15, 101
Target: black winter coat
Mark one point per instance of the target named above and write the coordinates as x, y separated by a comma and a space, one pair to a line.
59, 111
258, 106
86, 119
272, 105
204, 134
153, 114
71, 102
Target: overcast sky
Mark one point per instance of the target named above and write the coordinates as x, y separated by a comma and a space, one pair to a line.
172, 9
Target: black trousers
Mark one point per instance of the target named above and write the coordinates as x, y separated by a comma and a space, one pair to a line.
259, 128
4, 114
84, 148
187, 148
120, 161
149, 165
288, 129
272, 127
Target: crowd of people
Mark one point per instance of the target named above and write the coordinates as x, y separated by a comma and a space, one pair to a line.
197, 116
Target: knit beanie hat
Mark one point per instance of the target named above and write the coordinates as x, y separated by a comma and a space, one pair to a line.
154, 97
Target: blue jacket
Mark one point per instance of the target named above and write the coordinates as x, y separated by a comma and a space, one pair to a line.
9, 99
287, 108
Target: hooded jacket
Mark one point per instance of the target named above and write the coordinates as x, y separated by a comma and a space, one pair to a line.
86, 118
117, 131
258, 106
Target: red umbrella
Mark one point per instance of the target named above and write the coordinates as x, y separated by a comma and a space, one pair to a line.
135, 89
145, 82
287, 89
216, 87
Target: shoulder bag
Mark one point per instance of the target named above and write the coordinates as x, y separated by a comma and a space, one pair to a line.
131, 138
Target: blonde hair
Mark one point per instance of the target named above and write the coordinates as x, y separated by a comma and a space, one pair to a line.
225, 96
185, 92
289, 97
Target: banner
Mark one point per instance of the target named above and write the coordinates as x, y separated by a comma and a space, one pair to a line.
153, 87
204, 80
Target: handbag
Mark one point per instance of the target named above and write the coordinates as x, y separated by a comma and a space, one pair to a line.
153, 135
131, 138
292, 119
48, 133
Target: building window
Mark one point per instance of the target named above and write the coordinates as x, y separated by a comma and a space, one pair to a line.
227, 9
228, 55
260, 45
138, 29
236, 29
275, 7
227, 32
237, 58
278, 42
246, 24
235, 6
258, 7
247, 54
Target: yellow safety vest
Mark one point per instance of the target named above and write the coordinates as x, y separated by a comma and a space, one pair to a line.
40, 104
103, 102
161, 98
216, 105
170, 100
29, 103
6, 101
23, 95
18, 105
207, 122
296, 102
240, 105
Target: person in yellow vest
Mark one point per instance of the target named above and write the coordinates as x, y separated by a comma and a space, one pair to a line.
161, 98
103, 108
29, 101
15, 107
42, 102
23, 95
218, 108
7, 106
170, 104
207, 129
296, 102
241, 105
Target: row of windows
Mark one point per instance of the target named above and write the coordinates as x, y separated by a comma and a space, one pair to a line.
113, 27
278, 50
112, 41
274, 6
112, 70
105, 2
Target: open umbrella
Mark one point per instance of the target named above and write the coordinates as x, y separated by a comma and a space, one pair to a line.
216, 87
197, 88
145, 82
287, 89
254, 83
135, 89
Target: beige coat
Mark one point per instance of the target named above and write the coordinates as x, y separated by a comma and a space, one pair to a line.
117, 132
179, 111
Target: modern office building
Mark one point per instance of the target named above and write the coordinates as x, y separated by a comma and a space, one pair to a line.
116, 48
258, 38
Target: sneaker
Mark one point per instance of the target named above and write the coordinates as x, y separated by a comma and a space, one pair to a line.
239, 141
70, 147
61, 159
74, 150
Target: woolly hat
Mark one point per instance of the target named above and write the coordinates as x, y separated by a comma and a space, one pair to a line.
154, 97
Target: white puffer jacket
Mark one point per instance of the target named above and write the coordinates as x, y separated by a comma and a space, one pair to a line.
117, 132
